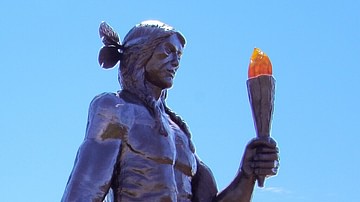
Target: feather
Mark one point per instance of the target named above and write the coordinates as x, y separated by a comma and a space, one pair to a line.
108, 35
111, 52
109, 56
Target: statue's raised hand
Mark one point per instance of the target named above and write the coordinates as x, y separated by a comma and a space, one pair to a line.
261, 158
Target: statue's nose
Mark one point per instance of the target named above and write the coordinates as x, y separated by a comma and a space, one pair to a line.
175, 62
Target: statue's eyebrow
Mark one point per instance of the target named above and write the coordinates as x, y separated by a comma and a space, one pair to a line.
173, 48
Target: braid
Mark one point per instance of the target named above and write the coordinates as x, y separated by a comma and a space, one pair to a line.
182, 124
151, 103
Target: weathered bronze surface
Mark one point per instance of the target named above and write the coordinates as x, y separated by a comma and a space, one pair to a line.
135, 147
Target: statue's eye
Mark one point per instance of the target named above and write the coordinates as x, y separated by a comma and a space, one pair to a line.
168, 51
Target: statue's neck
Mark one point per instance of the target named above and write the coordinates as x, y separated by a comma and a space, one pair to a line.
153, 91
150, 94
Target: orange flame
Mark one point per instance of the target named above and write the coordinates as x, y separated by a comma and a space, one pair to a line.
259, 64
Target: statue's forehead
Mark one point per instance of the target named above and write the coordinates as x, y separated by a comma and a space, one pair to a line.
174, 41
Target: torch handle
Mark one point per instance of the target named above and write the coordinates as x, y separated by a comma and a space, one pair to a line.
261, 180
261, 91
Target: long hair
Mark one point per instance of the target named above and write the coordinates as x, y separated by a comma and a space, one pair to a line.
138, 47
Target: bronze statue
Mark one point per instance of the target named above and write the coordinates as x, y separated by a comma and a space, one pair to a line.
135, 147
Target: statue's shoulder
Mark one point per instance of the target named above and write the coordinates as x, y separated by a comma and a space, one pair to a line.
106, 100
113, 103
113, 106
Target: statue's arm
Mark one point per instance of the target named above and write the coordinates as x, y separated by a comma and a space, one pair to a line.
205, 190
258, 158
240, 189
203, 184
92, 173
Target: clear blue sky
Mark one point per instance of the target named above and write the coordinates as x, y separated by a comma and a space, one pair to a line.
49, 75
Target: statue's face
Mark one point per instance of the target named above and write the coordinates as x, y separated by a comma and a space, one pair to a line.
161, 68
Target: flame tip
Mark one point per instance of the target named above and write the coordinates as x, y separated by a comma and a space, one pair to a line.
259, 64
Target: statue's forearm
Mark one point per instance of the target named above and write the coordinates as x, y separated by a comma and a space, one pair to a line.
240, 189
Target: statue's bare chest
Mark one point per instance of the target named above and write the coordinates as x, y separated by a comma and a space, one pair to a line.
145, 142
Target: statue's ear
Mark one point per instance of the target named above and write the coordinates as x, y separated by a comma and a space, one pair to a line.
110, 54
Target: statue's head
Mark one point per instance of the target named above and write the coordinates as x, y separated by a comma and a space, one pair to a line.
139, 46
137, 49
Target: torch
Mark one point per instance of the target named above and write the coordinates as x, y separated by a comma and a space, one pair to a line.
261, 90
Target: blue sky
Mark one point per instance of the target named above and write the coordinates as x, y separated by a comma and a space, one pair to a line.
49, 75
